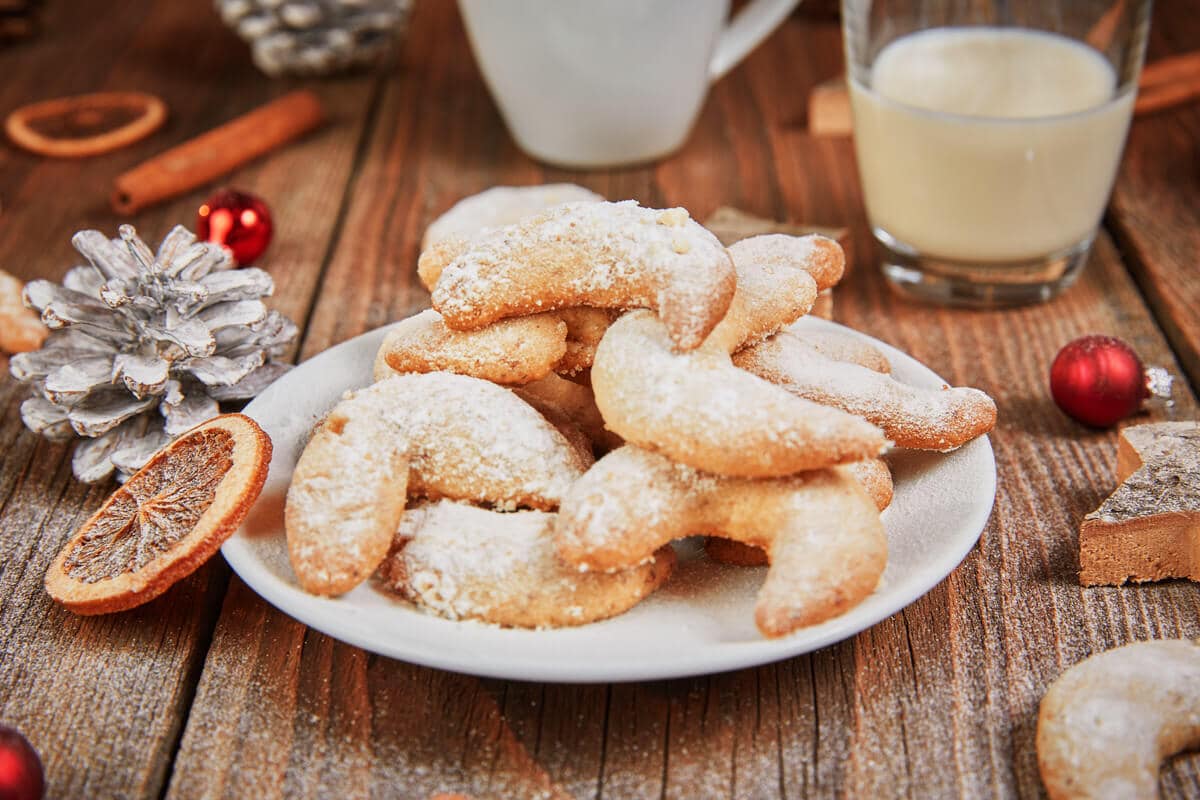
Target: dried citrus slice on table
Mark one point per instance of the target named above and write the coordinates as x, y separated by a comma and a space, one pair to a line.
167, 520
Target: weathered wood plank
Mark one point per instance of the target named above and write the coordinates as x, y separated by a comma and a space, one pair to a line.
1155, 210
103, 699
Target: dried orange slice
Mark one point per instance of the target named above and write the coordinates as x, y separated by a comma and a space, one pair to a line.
167, 520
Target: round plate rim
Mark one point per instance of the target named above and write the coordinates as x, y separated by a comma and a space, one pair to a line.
321, 613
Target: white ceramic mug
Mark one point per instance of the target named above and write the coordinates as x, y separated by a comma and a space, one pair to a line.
598, 83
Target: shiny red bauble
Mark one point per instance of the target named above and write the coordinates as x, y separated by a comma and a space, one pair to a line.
238, 220
21, 776
1098, 380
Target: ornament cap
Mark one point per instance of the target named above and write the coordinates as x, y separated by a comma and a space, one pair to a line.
1160, 385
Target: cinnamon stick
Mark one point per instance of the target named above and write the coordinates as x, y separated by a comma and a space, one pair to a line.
1167, 83
221, 150
1180, 68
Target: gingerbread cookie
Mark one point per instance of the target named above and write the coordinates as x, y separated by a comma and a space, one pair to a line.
821, 529
925, 419
464, 562
603, 255
1107, 724
351, 483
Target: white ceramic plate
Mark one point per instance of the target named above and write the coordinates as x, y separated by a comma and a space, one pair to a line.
700, 622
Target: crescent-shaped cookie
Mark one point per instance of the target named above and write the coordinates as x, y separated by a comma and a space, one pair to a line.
350, 484
500, 206
821, 529
464, 562
1107, 724
603, 255
578, 402
843, 347
509, 352
872, 473
701, 410
924, 419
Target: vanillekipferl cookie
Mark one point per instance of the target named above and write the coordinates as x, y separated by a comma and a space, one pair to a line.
464, 562
820, 528
434, 431
601, 255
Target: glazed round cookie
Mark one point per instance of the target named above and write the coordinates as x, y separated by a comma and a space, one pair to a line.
1107, 724
510, 352
350, 484
602, 255
500, 206
820, 529
700, 410
924, 419
872, 473
464, 562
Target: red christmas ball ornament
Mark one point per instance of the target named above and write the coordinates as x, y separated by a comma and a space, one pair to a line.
1100, 380
238, 220
21, 776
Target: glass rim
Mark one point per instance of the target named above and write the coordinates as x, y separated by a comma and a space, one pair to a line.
1118, 94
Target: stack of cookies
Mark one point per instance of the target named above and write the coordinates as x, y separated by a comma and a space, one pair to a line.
466, 478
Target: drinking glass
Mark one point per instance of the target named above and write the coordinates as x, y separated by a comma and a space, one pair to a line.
988, 135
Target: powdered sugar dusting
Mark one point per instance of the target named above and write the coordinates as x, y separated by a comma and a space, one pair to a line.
926, 419
472, 440
820, 256
464, 562
610, 255
500, 206
700, 410
459, 437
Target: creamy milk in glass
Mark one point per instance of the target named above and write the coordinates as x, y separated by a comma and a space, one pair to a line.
984, 144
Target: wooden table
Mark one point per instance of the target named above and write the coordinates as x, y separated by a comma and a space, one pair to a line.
211, 692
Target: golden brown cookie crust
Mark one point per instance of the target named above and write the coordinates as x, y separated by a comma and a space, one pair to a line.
821, 529
911, 416
602, 255
350, 485
509, 352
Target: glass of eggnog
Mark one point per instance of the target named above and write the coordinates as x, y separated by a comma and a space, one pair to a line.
988, 134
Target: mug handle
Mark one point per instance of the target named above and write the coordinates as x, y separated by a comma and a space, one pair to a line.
744, 32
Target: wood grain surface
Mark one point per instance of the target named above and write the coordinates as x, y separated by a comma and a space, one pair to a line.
1155, 211
210, 692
